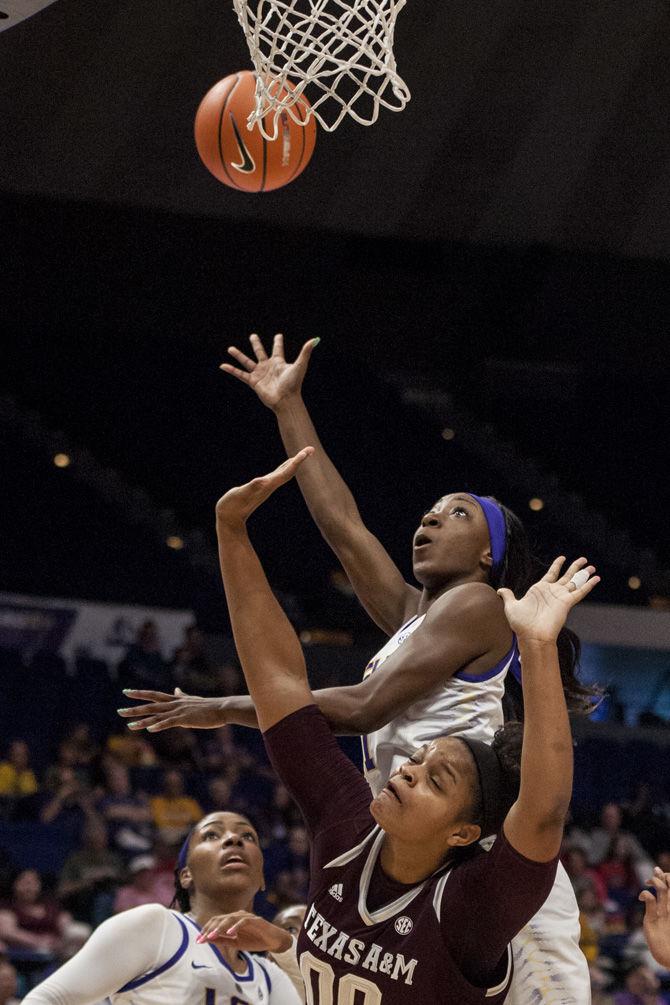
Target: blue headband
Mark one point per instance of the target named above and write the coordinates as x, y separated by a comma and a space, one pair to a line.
183, 852
497, 531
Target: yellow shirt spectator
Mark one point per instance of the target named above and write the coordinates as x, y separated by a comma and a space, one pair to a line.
17, 778
173, 812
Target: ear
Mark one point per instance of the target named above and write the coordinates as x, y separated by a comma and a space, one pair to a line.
486, 561
465, 835
185, 878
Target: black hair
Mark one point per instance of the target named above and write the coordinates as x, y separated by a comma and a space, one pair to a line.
519, 570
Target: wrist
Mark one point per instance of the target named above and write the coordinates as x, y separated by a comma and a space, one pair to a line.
532, 643
284, 942
288, 404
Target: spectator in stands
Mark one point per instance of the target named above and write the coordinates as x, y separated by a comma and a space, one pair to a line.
617, 871
178, 748
599, 984
85, 750
30, 922
18, 784
9, 984
581, 875
68, 802
592, 923
192, 670
641, 987
67, 760
147, 885
89, 877
128, 816
601, 841
174, 813
131, 749
17, 779
143, 665
219, 792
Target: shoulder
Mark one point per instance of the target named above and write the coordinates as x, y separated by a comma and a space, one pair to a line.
470, 600
142, 918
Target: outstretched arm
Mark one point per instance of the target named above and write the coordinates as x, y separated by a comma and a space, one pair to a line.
267, 646
378, 583
534, 825
467, 622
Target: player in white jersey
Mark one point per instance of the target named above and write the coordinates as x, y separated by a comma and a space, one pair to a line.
201, 955
451, 655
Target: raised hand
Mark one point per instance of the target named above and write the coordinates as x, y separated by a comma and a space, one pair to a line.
164, 711
246, 932
271, 377
236, 506
542, 612
657, 917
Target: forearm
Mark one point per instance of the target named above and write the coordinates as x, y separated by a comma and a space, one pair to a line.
328, 498
547, 752
267, 646
341, 706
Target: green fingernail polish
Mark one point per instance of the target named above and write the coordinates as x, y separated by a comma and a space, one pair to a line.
315, 342
127, 690
131, 724
120, 710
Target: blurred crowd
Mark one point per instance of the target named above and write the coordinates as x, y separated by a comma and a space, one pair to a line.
95, 830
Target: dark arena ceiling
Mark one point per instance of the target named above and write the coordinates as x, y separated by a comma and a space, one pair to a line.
493, 259
529, 122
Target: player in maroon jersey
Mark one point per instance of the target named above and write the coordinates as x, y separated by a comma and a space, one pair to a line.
403, 906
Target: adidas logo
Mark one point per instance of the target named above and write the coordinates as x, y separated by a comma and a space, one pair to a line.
337, 892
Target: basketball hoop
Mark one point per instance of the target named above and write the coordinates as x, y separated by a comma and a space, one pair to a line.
342, 48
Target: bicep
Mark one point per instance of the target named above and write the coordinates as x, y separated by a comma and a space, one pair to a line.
121, 949
376, 579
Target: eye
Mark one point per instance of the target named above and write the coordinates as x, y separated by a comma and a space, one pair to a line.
460, 510
250, 836
435, 782
210, 834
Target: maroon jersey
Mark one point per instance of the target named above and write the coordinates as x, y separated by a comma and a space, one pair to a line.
368, 940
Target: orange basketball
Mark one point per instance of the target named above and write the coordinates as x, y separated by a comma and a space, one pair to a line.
242, 157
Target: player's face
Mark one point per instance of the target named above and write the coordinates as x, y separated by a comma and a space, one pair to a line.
451, 542
291, 918
430, 797
224, 856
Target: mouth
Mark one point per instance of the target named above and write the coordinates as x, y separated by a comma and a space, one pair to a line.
234, 861
421, 541
390, 787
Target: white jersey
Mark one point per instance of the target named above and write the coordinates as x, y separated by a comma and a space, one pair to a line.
149, 956
549, 966
465, 705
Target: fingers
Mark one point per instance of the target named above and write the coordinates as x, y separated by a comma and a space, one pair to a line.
147, 695
245, 361
574, 567
234, 372
257, 346
506, 595
554, 570
582, 591
278, 346
143, 710
305, 353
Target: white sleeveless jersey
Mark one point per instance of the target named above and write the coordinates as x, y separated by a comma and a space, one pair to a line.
149, 956
549, 966
465, 705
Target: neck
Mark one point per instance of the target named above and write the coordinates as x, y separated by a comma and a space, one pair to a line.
433, 592
405, 863
204, 907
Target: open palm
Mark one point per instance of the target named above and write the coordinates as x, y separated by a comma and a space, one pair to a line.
271, 377
542, 611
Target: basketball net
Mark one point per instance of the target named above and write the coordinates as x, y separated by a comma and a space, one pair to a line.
339, 51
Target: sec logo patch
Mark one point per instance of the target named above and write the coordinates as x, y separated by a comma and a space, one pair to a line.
403, 925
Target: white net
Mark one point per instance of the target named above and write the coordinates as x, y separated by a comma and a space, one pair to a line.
338, 52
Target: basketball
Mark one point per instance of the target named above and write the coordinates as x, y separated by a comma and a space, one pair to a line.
240, 157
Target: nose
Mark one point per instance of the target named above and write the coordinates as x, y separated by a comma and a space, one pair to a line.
231, 838
430, 520
409, 773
